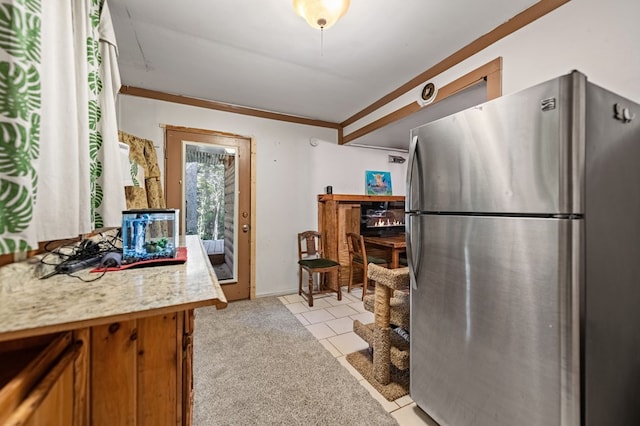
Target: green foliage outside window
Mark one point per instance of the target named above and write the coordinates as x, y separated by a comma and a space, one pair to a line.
210, 208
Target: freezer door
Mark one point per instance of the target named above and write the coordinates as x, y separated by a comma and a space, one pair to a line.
495, 321
521, 153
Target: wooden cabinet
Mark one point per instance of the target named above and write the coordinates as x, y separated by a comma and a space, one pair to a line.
133, 372
337, 215
115, 352
137, 371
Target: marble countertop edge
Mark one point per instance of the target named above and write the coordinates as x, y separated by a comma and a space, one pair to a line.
22, 332
30, 306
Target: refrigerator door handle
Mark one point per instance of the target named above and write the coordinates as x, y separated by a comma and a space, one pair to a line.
413, 152
413, 230
414, 266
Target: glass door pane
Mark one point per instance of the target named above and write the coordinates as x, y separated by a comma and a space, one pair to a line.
210, 176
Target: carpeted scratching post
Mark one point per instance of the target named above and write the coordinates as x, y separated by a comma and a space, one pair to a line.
381, 344
388, 369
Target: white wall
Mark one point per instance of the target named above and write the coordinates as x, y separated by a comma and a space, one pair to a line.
599, 38
290, 173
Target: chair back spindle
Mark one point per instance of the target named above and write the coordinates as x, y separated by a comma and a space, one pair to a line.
358, 258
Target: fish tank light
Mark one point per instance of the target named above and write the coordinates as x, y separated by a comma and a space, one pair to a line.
149, 234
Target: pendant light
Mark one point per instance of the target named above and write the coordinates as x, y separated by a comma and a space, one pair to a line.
321, 14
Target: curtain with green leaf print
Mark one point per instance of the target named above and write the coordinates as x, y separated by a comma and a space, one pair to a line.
107, 188
20, 95
59, 166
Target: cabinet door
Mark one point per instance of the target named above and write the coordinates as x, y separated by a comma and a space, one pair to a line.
157, 389
51, 400
187, 368
113, 374
57, 406
134, 372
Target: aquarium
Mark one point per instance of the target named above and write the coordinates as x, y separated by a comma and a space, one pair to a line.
149, 234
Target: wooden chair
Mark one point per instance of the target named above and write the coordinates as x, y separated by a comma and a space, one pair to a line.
357, 256
310, 259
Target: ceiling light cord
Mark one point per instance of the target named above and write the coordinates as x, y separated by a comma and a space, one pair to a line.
321, 14
321, 23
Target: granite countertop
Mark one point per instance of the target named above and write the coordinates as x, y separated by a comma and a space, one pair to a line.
31, 306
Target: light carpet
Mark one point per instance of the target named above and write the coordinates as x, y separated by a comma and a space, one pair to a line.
256, 364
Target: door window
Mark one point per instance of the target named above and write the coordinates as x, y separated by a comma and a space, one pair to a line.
209, 194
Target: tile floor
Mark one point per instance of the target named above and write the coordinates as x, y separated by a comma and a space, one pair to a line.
331, 322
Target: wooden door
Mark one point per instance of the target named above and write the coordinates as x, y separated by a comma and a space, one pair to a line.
185, 147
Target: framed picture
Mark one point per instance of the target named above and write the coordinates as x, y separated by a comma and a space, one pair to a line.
377, 183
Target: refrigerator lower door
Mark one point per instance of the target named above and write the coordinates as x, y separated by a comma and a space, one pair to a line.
495, 320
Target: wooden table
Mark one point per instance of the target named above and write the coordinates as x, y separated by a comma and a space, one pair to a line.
393, 244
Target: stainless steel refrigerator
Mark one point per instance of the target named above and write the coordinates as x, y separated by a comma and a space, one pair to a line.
523, 241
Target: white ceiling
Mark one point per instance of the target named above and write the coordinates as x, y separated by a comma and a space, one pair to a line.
261, 54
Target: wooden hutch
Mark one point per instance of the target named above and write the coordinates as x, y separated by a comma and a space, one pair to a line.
339, 214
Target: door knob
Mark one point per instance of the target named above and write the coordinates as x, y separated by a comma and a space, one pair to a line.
245, 228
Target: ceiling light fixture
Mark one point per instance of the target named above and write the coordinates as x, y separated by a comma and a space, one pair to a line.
321, 14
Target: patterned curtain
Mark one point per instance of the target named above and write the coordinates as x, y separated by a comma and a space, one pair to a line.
20, 98
59, 168
107, 193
